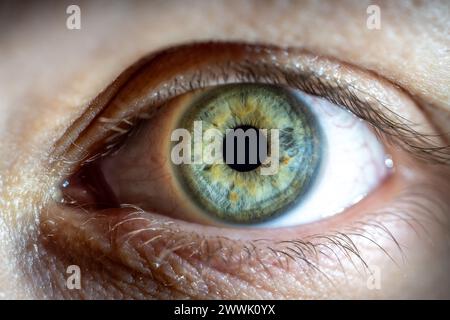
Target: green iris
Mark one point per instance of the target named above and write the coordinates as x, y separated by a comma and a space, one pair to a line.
242, 194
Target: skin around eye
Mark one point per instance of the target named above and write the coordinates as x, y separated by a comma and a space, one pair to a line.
344, 165
130, 253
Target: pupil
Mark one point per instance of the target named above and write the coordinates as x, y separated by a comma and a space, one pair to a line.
246, 145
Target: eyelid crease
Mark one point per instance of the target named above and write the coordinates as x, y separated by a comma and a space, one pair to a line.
144, 87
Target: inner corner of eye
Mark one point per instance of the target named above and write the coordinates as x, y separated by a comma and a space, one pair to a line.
252, 155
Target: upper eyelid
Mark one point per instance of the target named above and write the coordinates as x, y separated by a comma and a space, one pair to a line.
275, 65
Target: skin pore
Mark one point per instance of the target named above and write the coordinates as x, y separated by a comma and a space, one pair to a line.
49, 74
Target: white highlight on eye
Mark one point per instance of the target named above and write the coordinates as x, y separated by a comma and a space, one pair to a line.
389, 163
354, 163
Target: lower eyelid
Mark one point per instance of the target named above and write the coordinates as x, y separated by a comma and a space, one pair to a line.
171, 252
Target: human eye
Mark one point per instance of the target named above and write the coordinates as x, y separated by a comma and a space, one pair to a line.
364, 146
318, 150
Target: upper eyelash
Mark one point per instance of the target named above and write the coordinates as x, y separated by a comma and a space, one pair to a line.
400, 132
388, 124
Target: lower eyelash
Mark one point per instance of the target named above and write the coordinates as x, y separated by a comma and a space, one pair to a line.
414, 210
161, 250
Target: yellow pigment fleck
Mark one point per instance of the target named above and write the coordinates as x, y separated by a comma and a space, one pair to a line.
286, 160
234, 197
216, 172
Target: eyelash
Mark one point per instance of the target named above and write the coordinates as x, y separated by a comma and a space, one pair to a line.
400, 133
